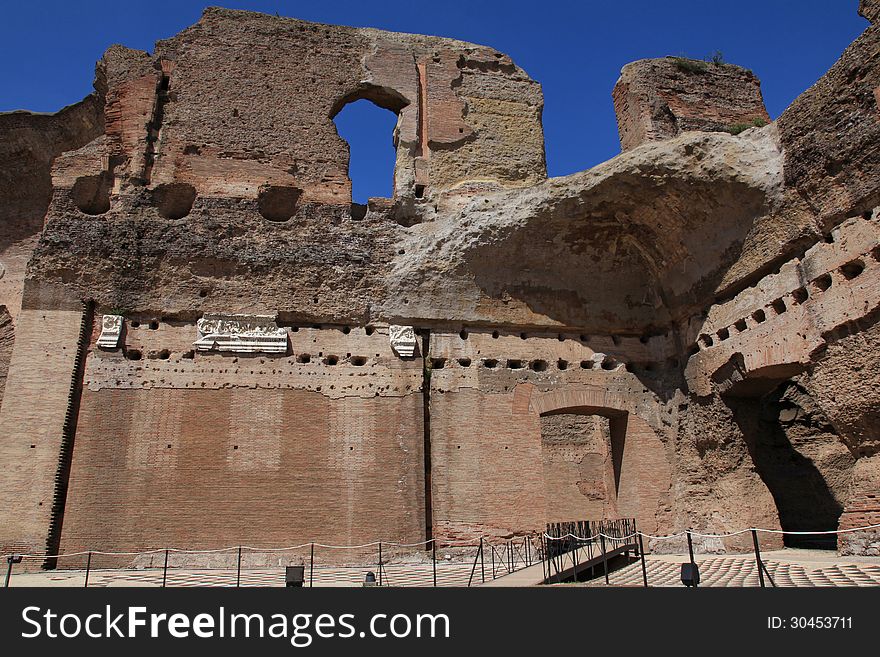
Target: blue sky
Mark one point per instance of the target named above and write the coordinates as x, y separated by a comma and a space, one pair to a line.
574, 48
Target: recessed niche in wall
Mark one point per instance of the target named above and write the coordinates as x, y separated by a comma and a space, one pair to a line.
823, 282
91, 194
278, 203
852, 269
174, 200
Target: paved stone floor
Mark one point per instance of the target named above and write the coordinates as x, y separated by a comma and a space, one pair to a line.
786, 567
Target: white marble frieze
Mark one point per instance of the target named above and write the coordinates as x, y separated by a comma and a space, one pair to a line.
111, 331
403, 340
240, 333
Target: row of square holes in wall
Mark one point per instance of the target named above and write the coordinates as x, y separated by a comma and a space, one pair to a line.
562, 337
165, 354
463, 334
821, 283
537, 365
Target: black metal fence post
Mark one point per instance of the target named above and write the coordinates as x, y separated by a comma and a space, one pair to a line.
691, 553
312, 567
165, 569
758, 558
642, 555
434, 559
482, 561
88, 568
9, 561
238, 569
604, 556
380, 563
492, 557
545, 558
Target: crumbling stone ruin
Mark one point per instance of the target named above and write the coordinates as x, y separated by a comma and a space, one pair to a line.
204, 343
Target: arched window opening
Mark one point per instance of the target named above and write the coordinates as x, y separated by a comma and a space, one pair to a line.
369, 131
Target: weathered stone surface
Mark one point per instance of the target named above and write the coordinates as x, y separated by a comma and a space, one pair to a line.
831, 135
683, 334
28, 146
657, 99
869, 9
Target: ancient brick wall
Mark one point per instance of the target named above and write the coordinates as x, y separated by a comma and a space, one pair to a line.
204, 450
260, 467
35, 403
233, 126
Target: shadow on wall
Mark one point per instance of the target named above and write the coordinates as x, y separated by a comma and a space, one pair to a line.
800, 458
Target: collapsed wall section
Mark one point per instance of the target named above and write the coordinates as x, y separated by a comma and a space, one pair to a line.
656, 99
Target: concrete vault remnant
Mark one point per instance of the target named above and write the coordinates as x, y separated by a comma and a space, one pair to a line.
674, 335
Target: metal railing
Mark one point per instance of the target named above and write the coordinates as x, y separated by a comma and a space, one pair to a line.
392, 564
565, 551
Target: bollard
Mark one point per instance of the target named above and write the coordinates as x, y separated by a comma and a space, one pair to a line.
312, 567
380, 563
